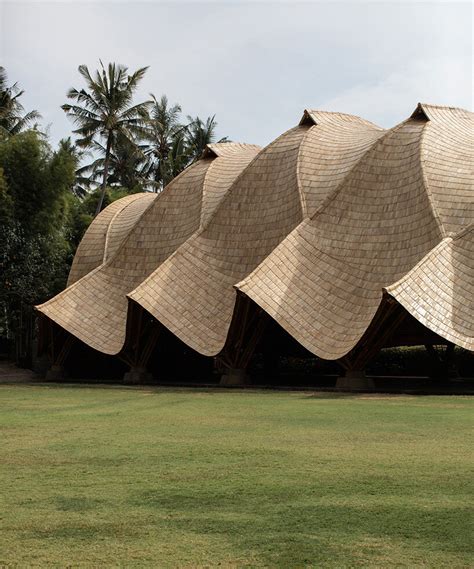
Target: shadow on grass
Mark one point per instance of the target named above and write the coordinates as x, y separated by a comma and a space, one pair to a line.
77, 504
276, 518
283, 535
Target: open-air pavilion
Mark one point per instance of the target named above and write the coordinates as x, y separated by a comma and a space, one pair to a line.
339, 236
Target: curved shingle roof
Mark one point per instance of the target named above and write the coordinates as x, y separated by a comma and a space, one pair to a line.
313, 229
447, 155
324, 283
192, 293
439, 290
106, 233
94, 309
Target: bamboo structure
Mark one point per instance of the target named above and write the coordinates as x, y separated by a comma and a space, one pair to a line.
192, 293
324, 283
106, 233
339, 231
94, 308
439, 290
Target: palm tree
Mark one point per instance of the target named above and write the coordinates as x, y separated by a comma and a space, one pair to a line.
127, 167
177, 158
12, 117
173, 146
104, 111
165, 135
199, 134
81, 183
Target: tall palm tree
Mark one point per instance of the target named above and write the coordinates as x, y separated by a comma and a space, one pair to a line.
165, 137
104, 111
13, 118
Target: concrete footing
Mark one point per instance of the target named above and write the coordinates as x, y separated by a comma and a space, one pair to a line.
234, 376
55, 373
355, 379
137, 375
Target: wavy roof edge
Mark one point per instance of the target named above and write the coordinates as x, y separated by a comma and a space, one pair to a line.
439, 290
435, 114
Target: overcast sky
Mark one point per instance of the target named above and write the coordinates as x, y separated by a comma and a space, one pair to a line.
257, 66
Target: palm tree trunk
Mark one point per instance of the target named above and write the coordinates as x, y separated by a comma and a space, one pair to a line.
106, 174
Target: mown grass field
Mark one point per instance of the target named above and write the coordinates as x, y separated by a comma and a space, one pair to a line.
189, 478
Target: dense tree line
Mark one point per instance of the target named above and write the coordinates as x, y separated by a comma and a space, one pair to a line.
48, 196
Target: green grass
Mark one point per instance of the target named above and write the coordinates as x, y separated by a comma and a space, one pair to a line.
190, 478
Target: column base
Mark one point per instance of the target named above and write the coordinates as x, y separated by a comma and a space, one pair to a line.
234, 376
355, 379
55, 373
137, 375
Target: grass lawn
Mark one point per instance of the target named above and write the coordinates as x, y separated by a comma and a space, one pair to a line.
190, 478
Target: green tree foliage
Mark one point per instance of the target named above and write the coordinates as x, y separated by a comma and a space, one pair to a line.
38, 181
82, 183
166, 147
199, 134
36, 212
171, 145
127, 166
13, 118
6, 202
137, 146
31, 269
104, 112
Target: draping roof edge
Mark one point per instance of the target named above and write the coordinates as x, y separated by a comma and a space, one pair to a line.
200, 314
280, 265
439, 290
94, 308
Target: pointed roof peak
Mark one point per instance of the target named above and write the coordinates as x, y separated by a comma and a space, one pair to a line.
217, 149
315, 117
430, 112
420, 113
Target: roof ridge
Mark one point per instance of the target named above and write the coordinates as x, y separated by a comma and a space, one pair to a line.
441, 245
431, 199
423, 109
299, 185
241, 146
469, 227
132, 199
312, 114
447, 107
213, 147
336, 191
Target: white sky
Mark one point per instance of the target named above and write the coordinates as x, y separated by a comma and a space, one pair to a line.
255, 65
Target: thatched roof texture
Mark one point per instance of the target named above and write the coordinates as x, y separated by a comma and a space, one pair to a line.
312, 229
106, 233
324, 283
439, 290
192, 293
94, 309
